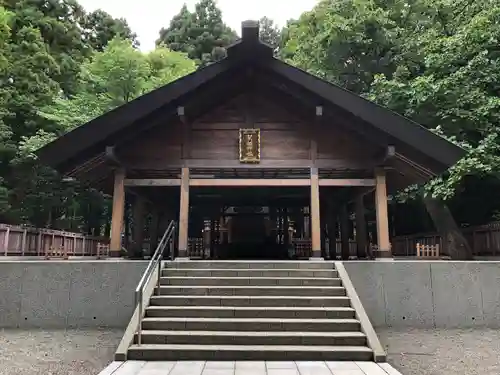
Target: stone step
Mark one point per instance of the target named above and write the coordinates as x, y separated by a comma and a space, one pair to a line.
243, 352
246, 281
190, 272
254, 301
251, 312
253, 338
229, 264
252, 290
250, 324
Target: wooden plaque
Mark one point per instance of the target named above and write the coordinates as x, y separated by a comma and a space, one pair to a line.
249, 145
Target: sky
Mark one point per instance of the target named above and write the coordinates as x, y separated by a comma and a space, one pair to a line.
147, 17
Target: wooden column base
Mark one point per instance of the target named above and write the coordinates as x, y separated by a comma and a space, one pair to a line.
382, 253
183, 253
316, 255
114, 253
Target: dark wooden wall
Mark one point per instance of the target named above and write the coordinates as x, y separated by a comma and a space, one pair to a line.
214, 136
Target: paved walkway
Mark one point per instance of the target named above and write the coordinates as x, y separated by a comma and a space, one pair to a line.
248, 368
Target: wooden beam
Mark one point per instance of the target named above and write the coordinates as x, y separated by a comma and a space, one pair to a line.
153, 182
184, 214
347, 182
384, 245
340, 164
118, 213
249, 182
315, 214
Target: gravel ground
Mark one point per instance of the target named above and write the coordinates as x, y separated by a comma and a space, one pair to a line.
87, 352
443, 351
56, 352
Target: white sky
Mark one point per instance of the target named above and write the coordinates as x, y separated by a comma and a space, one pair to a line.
147, 17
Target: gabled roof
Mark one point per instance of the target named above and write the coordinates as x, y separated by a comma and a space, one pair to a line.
248, 51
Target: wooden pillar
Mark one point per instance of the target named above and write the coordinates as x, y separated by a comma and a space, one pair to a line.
117, 214
344, 232
361, 236
184, 214
315, 215
384, 245
139, 211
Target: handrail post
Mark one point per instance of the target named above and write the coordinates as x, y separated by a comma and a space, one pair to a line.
154, 263
159, 276
172, 247
139, 324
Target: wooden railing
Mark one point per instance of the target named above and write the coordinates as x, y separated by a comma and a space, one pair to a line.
28, 241
484, 241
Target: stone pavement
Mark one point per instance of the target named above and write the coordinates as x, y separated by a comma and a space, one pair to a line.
248, 368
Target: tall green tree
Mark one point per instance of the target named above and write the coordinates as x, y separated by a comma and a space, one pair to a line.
201, 34
43, 47
269, 33
99, 28
108, 79
113, 77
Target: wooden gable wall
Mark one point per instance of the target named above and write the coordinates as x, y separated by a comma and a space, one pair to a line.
214, 136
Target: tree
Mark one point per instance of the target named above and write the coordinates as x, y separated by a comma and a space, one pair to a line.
201, 34
269, 33
42, 51
99, 28
346, 42
113, 77
431, 60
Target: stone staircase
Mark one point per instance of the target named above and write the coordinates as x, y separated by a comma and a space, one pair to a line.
250, 310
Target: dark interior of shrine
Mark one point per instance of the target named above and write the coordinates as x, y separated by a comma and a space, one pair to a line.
246, 222
251, 222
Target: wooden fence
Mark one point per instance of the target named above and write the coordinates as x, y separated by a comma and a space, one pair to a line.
484, 241
28, 241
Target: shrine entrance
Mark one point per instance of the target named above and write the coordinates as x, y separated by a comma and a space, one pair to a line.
250, 223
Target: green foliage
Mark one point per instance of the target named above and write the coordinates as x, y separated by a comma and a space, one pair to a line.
434, 61
455, 92
56, 72
99, 28
113, 77
201, 34
269, 33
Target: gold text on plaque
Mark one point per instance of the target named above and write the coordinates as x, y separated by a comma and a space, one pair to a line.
249, 145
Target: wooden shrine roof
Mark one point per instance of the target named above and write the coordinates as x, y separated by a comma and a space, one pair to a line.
87, 144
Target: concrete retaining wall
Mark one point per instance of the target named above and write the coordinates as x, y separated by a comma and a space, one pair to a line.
60, 294
79, 293
428, 294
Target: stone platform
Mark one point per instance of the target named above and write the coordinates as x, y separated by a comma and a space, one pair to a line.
248, 368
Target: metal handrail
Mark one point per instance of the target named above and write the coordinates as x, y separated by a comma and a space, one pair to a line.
154, 263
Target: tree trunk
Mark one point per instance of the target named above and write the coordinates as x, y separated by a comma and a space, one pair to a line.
454, 242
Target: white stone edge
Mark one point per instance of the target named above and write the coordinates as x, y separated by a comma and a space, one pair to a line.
111, 368
128, 336
379, 354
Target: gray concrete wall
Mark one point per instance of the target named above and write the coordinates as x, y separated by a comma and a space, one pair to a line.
428, 293
60, 294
